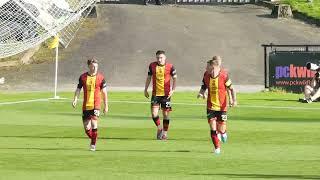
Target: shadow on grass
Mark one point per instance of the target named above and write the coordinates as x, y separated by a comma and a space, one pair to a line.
133, 117
266, 176
99, 150
105, 138
201, 115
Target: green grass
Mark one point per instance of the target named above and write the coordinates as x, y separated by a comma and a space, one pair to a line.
310, 9
267, 140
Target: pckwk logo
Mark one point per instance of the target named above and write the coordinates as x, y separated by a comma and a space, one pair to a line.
293, 71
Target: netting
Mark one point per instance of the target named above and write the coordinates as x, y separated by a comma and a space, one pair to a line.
27, 23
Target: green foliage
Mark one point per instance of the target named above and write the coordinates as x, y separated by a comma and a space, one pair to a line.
303, 6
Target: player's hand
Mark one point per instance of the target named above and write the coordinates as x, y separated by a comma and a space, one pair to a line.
74, 103
170, 94
146, 94
233, 104
105, 110
200, 95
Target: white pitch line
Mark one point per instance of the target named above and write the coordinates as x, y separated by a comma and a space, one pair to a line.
185, 104
30, 100
25, 101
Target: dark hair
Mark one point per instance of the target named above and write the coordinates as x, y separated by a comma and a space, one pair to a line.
160, 52
213, 62
92, 60
216, 58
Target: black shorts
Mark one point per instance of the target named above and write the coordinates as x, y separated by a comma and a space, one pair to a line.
219, 115
90, 114
163, 101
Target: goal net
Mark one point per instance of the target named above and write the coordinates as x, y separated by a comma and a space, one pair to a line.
27, 23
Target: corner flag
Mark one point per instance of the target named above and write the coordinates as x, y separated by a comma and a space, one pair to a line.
54, 43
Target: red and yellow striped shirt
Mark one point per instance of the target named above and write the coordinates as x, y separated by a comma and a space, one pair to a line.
161, 76
217, 90
92, 86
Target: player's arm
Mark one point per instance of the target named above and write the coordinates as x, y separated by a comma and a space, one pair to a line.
76, 97
77, 93
232, 96
231, 93
174, 81
313, 82
105, 100
148, 80
104, 96
202, 90
229, 96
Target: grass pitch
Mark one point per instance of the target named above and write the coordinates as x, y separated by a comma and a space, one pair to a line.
271, 136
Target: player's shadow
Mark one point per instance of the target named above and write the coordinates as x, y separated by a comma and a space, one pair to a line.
147, 118
264, 176
145, 150
104, 138
42, 149
132, 117
152, 139
45, 137
104, 150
